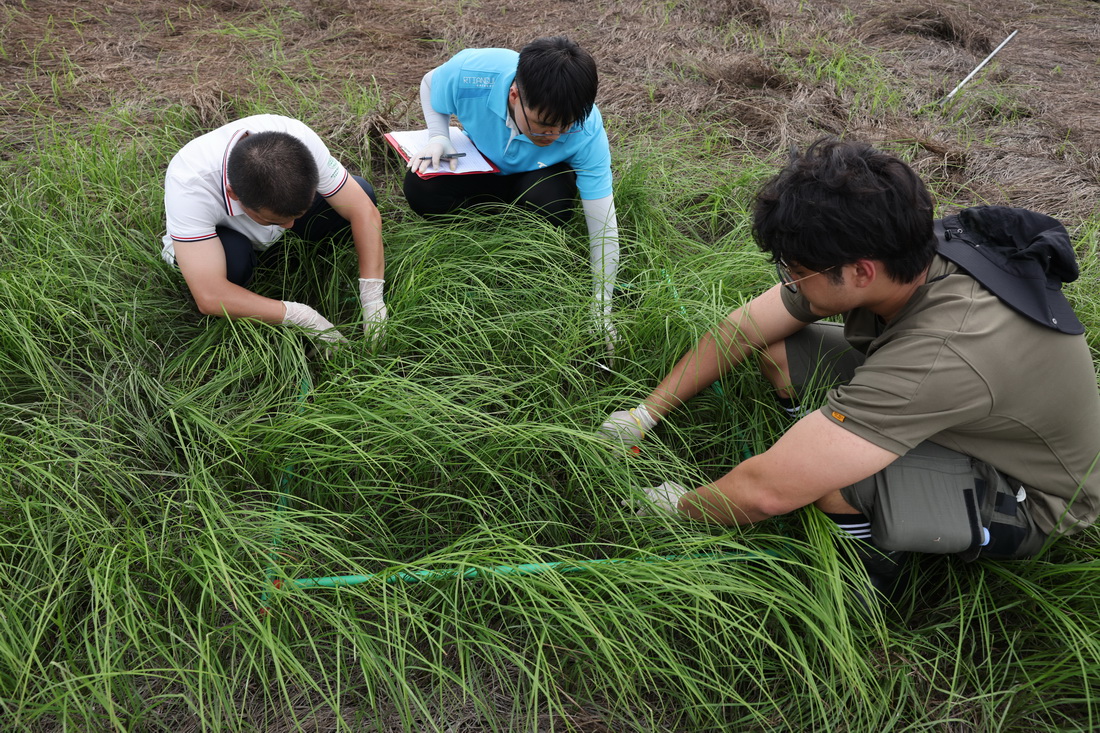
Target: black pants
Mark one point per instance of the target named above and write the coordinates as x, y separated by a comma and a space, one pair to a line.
549, 192
320, 222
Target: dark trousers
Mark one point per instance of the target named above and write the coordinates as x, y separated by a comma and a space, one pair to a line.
320, 222
549, 192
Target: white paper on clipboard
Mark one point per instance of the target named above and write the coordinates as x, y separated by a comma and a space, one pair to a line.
409, 142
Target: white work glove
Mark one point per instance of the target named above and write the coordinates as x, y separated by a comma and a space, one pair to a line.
437, 147
301, 315
628, 427
610, 339
374, 309
665, 497
603, 328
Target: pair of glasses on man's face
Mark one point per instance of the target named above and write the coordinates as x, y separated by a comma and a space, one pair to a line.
790, 282
573, 129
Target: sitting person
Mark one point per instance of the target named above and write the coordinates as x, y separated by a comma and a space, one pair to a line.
532, 114
965, 416
230, 194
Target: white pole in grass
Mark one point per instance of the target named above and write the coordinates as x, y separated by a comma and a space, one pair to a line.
978, 67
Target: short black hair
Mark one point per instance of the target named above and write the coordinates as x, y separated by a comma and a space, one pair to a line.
273, 171
841, 201
558, 78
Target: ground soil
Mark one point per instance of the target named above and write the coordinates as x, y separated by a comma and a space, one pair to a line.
1029, 135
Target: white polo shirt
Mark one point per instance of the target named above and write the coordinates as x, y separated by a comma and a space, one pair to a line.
195, 199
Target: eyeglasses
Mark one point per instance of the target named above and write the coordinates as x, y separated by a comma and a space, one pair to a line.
573, 129
790, 282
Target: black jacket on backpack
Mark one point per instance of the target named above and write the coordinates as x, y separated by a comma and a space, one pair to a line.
1020, 256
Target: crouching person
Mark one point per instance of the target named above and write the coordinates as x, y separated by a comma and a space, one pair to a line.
964, 416
229, 196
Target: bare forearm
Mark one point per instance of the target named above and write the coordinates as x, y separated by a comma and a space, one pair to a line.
366, 230
762, 321
229, 300
715, 354
816, 458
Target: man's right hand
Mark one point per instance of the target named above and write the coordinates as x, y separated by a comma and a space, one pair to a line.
665, 497
437, 147
298, 314
628, 427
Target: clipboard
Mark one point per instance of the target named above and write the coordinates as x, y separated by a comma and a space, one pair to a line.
408, 142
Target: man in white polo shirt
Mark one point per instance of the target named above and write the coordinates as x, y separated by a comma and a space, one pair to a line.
230, 194
533, 114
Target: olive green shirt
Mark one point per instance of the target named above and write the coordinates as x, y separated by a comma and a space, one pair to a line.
959, 368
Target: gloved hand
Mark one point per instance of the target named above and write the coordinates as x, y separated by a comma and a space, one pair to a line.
664, 497
610, 339
298, 314
628, 427
605, 328
374, 309
437, 147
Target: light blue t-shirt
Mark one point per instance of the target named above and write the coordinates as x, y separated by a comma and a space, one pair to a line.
473, 86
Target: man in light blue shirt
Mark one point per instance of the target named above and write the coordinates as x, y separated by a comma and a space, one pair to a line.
533, 115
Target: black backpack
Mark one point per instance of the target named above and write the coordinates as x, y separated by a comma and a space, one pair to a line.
1020, 256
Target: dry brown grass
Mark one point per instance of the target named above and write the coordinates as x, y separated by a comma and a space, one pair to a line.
733, 64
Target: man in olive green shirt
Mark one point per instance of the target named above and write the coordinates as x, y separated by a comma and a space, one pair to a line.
962, 421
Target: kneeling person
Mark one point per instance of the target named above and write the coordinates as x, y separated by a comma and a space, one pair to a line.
533, 114
230, 194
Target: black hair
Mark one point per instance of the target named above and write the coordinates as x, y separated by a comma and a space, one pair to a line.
557, 78
273, 171
841, 201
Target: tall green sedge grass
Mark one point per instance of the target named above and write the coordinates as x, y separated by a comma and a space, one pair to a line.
145, 449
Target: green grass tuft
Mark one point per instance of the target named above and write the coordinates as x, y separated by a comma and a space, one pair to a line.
144, 449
